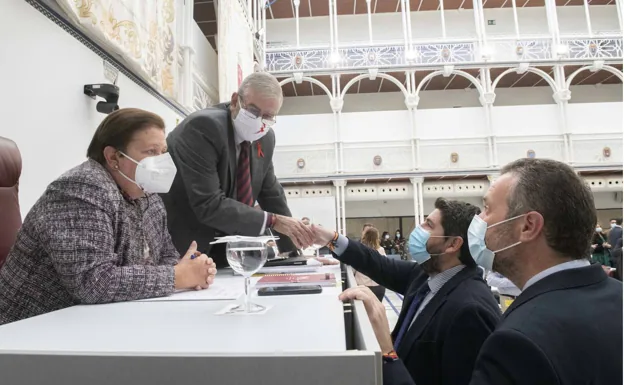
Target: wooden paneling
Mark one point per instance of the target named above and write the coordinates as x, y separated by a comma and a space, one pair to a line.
209, 28
281, 9
304, 8
204, 11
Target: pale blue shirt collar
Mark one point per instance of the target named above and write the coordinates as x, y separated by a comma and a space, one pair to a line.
437, 281
575, 264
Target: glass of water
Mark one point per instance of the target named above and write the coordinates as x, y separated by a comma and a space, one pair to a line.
246, 257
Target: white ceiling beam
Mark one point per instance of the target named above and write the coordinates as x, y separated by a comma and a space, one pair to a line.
310, 7
358, 87
520, 78
271, 11
380, 84
294, 88
450, 81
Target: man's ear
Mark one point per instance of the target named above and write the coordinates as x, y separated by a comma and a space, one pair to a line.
234, 100
455, 245
532, 226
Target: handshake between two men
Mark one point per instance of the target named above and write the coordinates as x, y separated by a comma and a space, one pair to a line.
196, 270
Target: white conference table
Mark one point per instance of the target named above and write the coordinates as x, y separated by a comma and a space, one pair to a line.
145, 341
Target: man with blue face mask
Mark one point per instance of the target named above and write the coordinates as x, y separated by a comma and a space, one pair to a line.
448, 310
224, 157
536, 229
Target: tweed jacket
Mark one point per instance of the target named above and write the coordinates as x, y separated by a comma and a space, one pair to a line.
83, 242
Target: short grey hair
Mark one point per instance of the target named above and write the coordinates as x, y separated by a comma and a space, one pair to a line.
563, 199
263, 83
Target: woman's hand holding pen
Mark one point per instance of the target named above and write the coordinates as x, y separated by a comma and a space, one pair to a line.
195, 270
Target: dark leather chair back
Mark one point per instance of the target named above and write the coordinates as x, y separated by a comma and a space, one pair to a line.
10, 217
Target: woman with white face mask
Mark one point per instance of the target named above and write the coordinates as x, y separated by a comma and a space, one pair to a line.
99, 232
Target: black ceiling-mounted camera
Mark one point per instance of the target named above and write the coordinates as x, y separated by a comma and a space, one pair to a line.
108, 92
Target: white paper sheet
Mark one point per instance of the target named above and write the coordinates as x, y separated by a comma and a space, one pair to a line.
222, 289
227, 311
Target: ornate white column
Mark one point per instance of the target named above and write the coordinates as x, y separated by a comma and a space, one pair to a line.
341, 206
296, 3
339, 184
411, 102
487, 101
418, 209
561, 97
562, 93
421, 203
370, 22
620, 12
336, 104
187, 55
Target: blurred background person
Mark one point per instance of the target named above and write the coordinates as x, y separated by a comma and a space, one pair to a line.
370, 239
600, 252
506, 289
386, 243
399, 244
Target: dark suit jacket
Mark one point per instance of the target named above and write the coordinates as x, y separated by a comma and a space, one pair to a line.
442, 344
201, 203
614, 236
564, 329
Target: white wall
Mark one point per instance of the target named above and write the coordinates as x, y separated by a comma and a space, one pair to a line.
320, 210
323, 210
205, 58
390, 101
426, 25
442, 132
44, 109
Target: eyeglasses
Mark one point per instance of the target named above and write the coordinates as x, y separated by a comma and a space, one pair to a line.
254, 113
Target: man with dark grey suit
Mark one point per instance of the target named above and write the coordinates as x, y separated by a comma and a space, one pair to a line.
224, 159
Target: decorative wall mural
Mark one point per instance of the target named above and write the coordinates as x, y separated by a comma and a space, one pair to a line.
454, 157
300, 163
377, 160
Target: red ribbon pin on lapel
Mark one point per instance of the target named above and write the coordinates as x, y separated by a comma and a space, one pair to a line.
259, 147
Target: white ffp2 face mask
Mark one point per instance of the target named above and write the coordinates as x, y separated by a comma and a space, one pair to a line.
153, 174
249, 128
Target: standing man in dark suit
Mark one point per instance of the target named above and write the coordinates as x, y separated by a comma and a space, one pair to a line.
536, 230
224, 157
448, 310
616, 231
615, 235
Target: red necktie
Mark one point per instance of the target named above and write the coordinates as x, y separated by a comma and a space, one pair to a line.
243, 176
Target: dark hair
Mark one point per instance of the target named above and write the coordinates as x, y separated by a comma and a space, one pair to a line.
371, 238
559, 194
618, 221
456, 218
117, 129
367, 225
